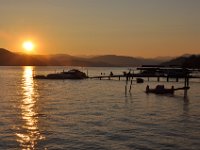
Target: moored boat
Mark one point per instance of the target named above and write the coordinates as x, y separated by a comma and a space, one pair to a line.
71, 74
139, 80
160, 89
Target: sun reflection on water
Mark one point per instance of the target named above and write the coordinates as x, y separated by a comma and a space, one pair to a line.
30, 133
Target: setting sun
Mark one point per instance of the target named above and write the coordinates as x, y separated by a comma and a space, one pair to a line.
28, 46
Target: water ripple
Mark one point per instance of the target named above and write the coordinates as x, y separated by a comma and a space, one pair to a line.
93, 114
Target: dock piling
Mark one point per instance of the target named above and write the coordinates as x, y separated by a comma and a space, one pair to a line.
130, 86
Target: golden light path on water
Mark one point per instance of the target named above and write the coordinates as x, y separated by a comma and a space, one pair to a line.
30, 132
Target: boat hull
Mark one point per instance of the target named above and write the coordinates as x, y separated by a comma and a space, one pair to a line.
160, 89
72, 74
164, 91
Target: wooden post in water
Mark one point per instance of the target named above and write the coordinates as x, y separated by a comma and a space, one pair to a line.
126, 85
130, 86
186, 85
158, 79
127, 78
167, 78
185, 82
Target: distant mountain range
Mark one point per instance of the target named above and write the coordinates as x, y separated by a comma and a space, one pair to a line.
8, 58
188, 61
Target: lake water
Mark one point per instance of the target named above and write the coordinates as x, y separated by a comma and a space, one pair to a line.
94, 114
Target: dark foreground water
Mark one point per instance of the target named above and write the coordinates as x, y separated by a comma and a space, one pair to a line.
93, 114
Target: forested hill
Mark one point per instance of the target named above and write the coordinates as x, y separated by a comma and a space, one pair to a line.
192, 61
8, 58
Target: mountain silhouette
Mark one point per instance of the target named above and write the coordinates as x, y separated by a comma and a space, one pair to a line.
8, 58
187, 61
123, 61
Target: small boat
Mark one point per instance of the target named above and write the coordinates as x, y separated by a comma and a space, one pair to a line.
71, 74
139, 80
160, 89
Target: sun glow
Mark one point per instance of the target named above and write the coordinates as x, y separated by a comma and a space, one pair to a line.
28, 46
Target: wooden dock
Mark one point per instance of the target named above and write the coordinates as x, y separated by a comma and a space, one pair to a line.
131, 76
158, 73
151, 72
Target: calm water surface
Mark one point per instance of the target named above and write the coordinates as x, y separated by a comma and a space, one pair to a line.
93, 114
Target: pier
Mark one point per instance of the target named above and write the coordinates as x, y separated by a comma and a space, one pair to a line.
158, 73
153, 72
131, 76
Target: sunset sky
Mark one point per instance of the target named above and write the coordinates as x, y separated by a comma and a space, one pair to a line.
146, 28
